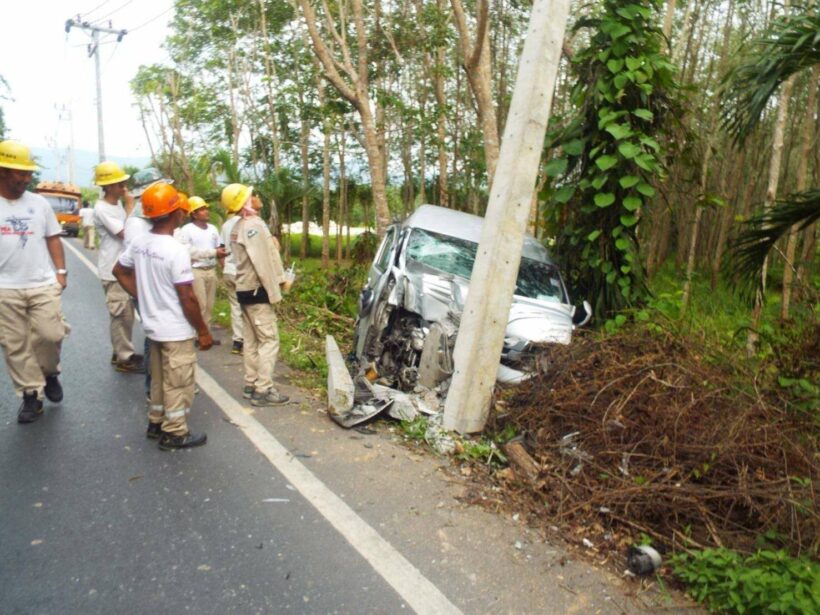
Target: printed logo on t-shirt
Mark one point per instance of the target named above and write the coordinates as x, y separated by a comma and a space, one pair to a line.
252, 233
14, 225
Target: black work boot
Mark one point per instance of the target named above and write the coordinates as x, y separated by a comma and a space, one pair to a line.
53, 390
169, 442
30, 409
154, 431
133, 365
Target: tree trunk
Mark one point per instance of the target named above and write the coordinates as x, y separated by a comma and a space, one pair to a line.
807, 136
771, 196
356, 92
669, 18
340, 220
304, 140
270, 74
476, 62
326, 127
725, 221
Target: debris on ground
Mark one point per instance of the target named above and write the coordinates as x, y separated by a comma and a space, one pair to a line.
651, 434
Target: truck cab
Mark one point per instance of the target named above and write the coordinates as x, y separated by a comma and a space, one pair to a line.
65, 199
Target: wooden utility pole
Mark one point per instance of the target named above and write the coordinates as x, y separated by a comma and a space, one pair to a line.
481, 334
94, 50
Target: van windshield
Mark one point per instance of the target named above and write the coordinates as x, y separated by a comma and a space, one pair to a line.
61, 204
536, 279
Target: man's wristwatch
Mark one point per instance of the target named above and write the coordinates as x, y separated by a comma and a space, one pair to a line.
62, 272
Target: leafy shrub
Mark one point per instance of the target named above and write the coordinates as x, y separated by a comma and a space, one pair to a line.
766, 582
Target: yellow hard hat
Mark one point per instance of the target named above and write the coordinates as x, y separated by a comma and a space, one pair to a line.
107, 173
15, 155
196, 202
234, 196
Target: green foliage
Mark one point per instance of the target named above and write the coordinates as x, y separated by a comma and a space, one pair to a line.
365, 248
483, 450
415, 430
790, 45
759, 235
766, 582
611, 156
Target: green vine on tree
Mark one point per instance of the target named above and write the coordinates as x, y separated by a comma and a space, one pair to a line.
610, 154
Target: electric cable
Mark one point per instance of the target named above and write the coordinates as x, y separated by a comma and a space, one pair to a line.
116, 10
102, 4
145, 23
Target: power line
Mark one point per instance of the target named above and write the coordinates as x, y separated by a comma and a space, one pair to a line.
152, 19
94, 50
102, 4
116, 10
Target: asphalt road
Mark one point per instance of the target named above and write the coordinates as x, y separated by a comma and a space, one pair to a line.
96, 519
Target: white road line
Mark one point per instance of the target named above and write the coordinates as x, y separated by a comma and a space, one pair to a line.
81, 256
400, 574
90, 265
407, 580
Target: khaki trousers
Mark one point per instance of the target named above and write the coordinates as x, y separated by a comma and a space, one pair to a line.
205, 291
89, 237
32, 329
236, 310
173, 371
261, 345
121, 313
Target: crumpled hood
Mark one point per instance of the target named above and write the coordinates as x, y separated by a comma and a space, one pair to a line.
429, 293
540, 321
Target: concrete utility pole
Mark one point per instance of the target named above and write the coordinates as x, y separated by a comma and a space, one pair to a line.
65, 113
94, 49
481, 333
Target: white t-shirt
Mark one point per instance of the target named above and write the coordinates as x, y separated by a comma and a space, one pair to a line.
230, 264
160, 263
24, 258
87, 216
135, 226
109, 220
201, 241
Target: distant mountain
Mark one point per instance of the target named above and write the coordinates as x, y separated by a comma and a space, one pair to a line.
54, 169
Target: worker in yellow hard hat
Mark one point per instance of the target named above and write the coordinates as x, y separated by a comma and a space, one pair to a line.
229, 281
156, 270
32, 278
109, 220
202, 238
259, 275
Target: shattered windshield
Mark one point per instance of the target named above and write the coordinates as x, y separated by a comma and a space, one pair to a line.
536, 279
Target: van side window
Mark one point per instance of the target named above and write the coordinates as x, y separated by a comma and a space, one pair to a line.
385, 250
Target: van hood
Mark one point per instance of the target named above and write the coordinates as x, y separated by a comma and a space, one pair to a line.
433, 295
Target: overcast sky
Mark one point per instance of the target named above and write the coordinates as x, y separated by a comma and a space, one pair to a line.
48, 69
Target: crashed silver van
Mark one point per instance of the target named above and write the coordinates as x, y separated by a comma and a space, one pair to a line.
410, 307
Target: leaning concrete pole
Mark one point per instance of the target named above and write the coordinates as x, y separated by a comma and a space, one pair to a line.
481, 334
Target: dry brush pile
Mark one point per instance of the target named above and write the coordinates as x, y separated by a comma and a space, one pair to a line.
648, 433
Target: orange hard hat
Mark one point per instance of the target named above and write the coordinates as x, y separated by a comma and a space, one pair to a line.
184, 202
160, 200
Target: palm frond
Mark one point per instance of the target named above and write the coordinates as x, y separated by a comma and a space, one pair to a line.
749, 250
791, 45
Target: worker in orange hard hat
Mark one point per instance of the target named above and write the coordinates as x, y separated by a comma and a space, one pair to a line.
155, 269
109, 219
32, 278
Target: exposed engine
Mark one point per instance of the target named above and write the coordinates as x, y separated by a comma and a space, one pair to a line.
400, 353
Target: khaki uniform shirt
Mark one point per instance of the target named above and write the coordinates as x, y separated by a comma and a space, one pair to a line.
256, 254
